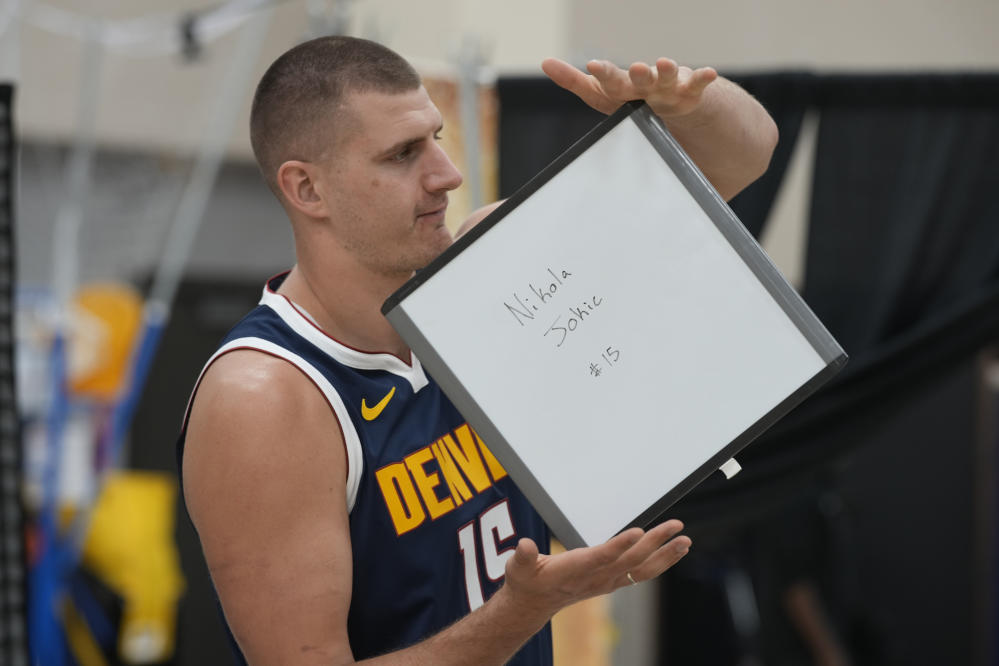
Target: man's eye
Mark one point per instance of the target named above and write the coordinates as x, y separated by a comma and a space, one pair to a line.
437, 135
403, 154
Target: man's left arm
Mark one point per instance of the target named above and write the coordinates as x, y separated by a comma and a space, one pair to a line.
726, 132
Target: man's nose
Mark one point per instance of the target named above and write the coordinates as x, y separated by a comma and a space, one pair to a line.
443, 174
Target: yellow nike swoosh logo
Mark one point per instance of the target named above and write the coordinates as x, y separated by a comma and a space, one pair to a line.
371, 413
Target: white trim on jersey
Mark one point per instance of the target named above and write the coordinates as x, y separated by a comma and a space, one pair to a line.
352, 443
353, 358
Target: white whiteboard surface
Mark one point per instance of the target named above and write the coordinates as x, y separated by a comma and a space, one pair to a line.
605, 337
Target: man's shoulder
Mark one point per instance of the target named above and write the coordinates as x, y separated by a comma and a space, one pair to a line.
250, 409
251, 374
245, 390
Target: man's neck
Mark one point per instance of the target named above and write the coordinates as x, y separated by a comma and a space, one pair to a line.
347, 310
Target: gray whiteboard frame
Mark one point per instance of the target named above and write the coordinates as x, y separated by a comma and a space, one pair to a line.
735, 234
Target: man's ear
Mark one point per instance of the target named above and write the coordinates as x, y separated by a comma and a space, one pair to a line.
297, 182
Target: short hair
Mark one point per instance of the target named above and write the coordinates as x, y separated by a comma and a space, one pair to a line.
295, 106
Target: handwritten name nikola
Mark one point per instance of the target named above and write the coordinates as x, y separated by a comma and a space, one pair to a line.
525, 308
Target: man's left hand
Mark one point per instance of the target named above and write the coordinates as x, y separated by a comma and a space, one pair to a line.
669, 89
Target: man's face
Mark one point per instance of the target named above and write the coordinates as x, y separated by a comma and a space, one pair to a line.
387, 181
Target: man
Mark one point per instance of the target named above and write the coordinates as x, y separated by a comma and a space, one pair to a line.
345, 508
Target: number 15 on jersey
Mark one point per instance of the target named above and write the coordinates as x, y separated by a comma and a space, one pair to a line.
493, 529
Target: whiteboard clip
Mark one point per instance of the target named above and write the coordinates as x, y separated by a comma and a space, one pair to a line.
730, 468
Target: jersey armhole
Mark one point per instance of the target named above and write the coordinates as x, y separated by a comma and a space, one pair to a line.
351, 440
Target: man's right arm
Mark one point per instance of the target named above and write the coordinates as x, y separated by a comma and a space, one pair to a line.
265, 483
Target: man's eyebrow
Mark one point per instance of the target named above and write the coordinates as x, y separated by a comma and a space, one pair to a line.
405, 143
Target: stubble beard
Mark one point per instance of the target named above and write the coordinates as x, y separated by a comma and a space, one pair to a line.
401, 262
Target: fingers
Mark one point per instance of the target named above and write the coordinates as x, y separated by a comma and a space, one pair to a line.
523, 565
668, 88
699, 80
645, 81
657, 564
650, 542
650, 559
655, 552
616, 547
615, 82
668, 71
587, 88
686, 82
632, 547
661, 560
562, 73
665, 83
526, 553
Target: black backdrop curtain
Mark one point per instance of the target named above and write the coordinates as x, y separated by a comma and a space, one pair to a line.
905, 189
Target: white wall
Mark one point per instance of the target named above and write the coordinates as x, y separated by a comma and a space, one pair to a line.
780, 34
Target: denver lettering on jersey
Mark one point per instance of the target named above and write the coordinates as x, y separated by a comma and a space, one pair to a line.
436, 479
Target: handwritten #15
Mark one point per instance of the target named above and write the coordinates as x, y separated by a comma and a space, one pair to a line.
610, 355
526, 308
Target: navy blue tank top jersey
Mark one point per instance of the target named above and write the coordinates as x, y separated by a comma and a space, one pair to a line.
433, 515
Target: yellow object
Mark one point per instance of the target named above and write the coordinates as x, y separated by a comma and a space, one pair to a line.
130, 547
371, 413
107, 319
82, 645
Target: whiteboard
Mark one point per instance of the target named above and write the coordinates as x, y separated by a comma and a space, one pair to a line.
613, 332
